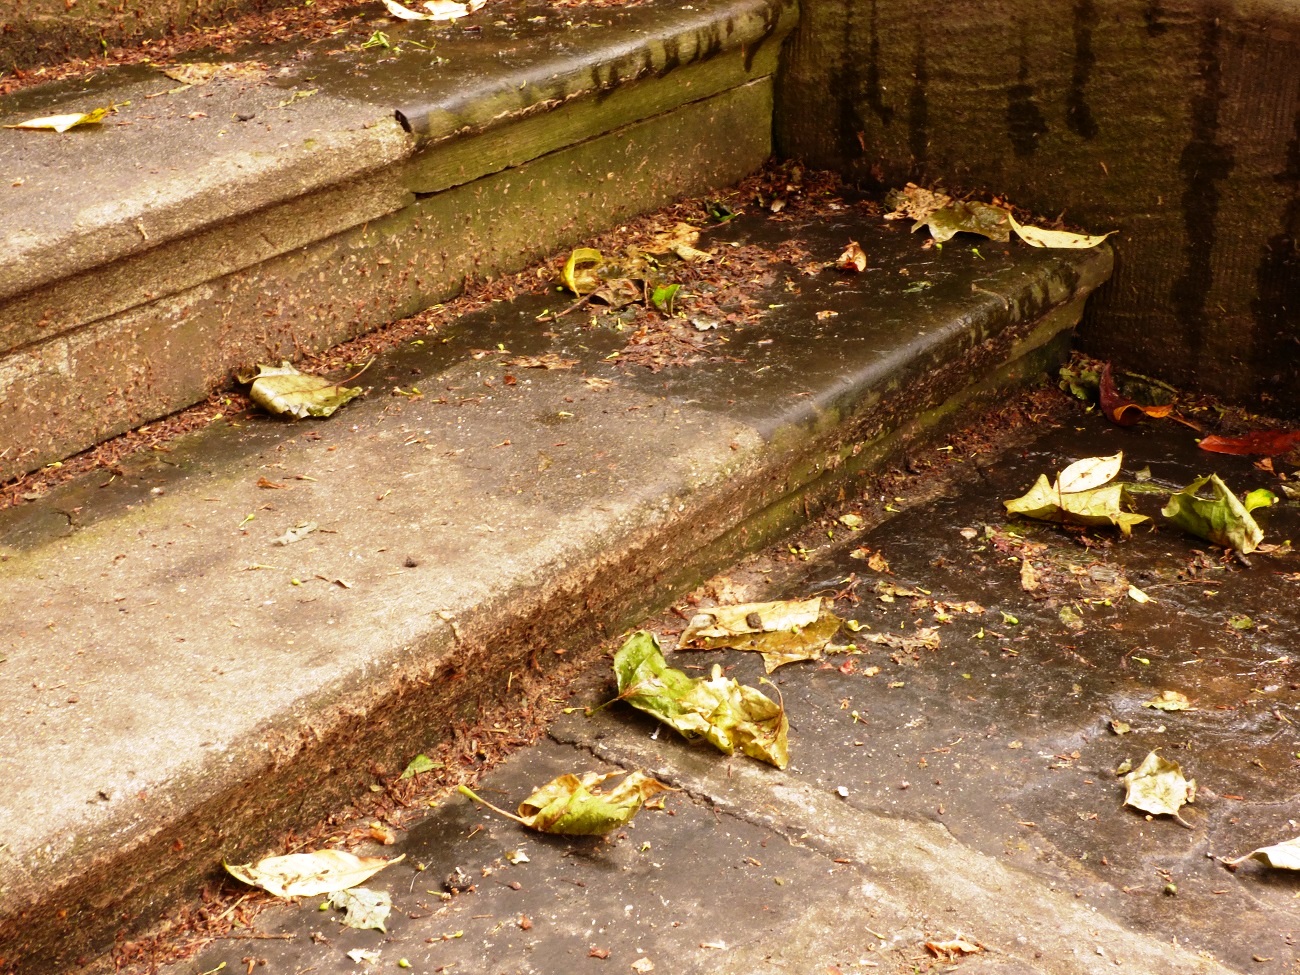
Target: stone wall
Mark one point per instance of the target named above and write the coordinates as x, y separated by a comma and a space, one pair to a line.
1175, 122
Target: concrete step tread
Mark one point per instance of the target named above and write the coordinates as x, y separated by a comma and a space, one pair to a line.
169, 686
171, 161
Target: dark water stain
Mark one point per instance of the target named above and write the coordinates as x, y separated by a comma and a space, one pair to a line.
918, 110
1078, 115
1276, 306
845, 81
1204, 163
1025, 121
874, 93
1154, 17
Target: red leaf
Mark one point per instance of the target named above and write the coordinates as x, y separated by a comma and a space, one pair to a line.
1270, 443
1121, 411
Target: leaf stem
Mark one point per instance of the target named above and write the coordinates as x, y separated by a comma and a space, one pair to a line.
466, 791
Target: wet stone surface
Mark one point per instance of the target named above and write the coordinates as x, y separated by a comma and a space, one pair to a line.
963, 790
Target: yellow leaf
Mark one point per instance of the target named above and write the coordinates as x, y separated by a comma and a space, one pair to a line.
580, 270
61, 123
1038, 237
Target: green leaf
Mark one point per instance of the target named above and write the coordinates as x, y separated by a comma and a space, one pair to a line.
421, 763
573, 806
283, 389
308, 874
1157, 786
663, 297
783, 632
725, 713
366, 909
967, 217
580, 269
1221, 520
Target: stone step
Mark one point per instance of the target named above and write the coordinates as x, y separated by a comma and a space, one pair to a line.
179, 689
335, 187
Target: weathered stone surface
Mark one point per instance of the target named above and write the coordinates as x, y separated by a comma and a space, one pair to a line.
539, 515
59, 395
36, 32
1173, 122
191, 242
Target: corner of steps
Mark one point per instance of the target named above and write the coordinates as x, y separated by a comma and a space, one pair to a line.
328, 190
179, 689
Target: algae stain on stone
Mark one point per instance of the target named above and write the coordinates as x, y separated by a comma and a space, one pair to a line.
1204, 164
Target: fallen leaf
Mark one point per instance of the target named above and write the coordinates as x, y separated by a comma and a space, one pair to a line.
196, 73
1100, 506
1038, 237
851, 521
548, 361
570, 805
61, 123
1089, 473
643, 965
1120, 410
437, 9
1169, 701
966, 217
297, 533
1280, 856
957, 946
720, 710
1269, 443
1028, 578
913, 202
580, 270
783, 632
366, 909
594, 952
1137, 595
308, 874
360, 955
1157, 786
854, 258
1223, 520
418, 765
925, 638
283, 389
1120, 727
517, 857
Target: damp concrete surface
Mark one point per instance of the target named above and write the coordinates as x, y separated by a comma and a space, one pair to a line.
965, 791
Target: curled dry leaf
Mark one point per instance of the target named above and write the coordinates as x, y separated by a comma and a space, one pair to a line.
61, 123
1268, 443
914, 202
782, 632
956, 946
1119, 409
580, 270
1224, 519
854, 258
548, 361
725, 713
1169, 701
1157, 786
283, 389
308, 874
575, 806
